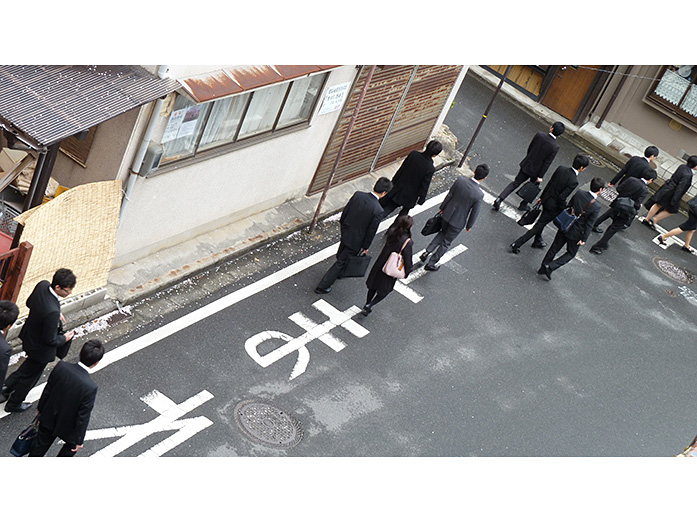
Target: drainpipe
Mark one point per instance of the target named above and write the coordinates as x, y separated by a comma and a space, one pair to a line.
147, 135
341, 149
614, 96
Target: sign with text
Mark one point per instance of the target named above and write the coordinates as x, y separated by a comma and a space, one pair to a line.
334, 98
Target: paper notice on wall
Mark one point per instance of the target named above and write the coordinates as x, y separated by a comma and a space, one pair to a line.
182, 123
175, 122
334, 98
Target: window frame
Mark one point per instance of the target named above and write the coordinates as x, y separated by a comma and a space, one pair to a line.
652, 99
238, 142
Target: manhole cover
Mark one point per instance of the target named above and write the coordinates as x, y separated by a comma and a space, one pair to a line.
268, 424
671, 293
594, 160
674, 272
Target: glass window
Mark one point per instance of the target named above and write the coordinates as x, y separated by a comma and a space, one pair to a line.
223, 121
301, 100
198, 127
677, 91
263, 110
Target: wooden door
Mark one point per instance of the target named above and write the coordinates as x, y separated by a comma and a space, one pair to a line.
569, 87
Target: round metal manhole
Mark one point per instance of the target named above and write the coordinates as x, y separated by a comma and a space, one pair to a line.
594, 161
268, 424
673, 271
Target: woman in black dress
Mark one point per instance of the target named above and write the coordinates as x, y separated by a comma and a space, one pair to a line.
667, 199
380, 284
688, 226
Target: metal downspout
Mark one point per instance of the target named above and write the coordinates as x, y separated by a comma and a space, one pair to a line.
617, 90
145, 141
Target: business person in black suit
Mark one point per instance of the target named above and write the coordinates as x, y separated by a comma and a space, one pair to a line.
359, 223
634, 188
553, 198
587, 209
411, 181
459, 209
667, 199
541, 152
40, 337
635, 166
66, 403
8, 315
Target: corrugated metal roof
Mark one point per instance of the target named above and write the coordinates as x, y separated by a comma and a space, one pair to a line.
226, 82
49, 103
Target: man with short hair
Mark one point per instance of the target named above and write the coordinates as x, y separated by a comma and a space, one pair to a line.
66, 403
411, 181
541, 152
41, 336
359, 223
635, 166
553, 198
459, 209
636, 190
8, 315
586, 207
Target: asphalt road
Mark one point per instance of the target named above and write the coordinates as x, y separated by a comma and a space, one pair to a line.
483, 358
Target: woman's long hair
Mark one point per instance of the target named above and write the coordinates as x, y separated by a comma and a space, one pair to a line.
401, 227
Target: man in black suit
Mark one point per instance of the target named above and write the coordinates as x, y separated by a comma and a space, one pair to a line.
636, 166
40, 337
8, 315
459, 209
541, 152
359, 223
411, 181
66, 403
636, 190
553, 198
586, 207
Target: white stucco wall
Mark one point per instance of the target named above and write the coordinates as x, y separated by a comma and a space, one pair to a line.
177, 205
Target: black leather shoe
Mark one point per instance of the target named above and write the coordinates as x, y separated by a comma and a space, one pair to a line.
546, 271
524, 206
596, 250
597, 229
323, 291
686, 249
424, 255
661, 240
367, 309
538, 245
432, 268
514, 248
649, 224
19, 408
496, 205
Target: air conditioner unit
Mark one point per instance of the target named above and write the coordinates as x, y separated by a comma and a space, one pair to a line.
152, 159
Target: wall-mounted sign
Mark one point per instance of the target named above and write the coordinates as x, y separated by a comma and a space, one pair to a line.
334, 98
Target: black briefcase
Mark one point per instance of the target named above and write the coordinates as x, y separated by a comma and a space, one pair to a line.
531, 215
356, 267
529, 191
62, 351
433, 225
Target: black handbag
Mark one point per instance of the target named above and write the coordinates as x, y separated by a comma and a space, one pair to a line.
433, 225
529, 191
625, 206
24, 442
565, 219
531, 214
356, 266
62, 351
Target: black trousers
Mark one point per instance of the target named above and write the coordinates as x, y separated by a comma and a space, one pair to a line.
536, 230
519, 180
560, 240
618, 223
21, 381
342, 257
389, 205
44, 440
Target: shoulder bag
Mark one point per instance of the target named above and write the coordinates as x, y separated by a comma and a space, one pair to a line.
24, 442
394, 266
565, 219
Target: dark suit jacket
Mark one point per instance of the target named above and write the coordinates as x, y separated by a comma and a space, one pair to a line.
581, 229
670, 194
634, 168
461, 205
558, 189
5, 353
633, 188
541, 152
66, 402
412, 179
39, 334
359, 220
